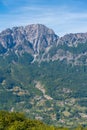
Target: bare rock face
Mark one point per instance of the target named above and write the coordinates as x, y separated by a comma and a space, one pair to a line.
6, 39
73, 39
72, 48
32, 38
43, 44
40, 36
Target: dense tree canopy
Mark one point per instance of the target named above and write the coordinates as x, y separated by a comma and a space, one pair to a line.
18, 121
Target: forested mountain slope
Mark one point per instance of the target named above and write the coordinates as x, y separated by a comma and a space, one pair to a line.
44, 75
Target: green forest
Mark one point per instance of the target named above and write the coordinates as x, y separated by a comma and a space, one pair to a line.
60, 99
18, 121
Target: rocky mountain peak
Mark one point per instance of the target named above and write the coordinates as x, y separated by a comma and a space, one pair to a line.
73, 39
33, 38
38, 29
42, 43
41, 36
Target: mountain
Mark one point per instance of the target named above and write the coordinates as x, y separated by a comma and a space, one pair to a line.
34, 39
43, 44
72, 47
44, 75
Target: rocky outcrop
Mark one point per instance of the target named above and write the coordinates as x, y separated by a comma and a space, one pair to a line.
73, 39
43, 44
32, 38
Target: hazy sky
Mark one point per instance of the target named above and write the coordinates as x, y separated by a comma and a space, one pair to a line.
63, 16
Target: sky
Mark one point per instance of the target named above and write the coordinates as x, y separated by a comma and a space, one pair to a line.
63, 16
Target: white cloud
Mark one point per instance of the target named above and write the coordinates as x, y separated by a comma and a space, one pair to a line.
62, 19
